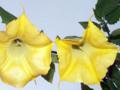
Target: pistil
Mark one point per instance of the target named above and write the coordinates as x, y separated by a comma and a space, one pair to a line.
18, 42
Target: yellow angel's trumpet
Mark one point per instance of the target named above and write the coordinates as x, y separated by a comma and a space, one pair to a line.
85, 59
25, 53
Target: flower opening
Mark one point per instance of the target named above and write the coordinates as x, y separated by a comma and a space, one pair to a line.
25, 53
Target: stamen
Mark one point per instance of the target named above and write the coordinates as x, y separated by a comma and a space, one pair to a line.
17, 42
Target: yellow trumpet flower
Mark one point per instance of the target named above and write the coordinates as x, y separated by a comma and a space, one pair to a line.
25, 53
85, 59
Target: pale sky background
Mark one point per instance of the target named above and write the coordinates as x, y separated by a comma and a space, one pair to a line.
55, 17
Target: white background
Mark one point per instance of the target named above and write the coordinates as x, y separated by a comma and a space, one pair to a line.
55, 17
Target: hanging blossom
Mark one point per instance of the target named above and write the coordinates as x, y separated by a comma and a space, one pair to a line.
85, 59
25, 53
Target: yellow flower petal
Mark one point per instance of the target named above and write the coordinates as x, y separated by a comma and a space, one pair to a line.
12, 28
40, 59
22, 28
25, 53
3, 37
96, 37
74, 65
88, 60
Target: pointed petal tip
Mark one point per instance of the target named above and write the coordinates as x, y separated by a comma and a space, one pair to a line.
92, 25
23, 15
90, 22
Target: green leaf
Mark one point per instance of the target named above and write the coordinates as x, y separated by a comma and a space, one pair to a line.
116, 79
115, 41
85, 24
112, 80
104, 86
50, 75
103, 7
6, 16
115, 37
54, 57
118, 60
113, 16
71, 37
115, 74
85, 87
108, 84
116, 32
107, 10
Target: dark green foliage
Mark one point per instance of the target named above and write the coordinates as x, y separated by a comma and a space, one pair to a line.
108, 10
115, 37
54, 57
85, 87
50, 75
116, 32
6, 16
85, 24
71, 37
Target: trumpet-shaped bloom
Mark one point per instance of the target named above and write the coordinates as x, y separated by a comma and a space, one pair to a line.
25, 53
85, 59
